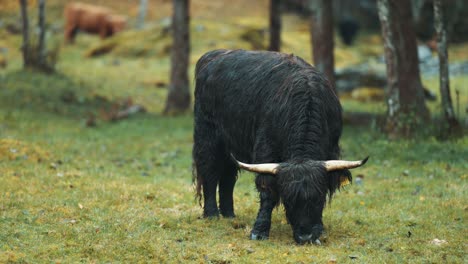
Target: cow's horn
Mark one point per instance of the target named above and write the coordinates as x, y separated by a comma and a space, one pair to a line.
271, 168
332, 165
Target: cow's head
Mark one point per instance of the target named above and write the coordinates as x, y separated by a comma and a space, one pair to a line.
303, 189
117, 23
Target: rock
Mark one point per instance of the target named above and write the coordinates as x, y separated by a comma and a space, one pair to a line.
424, 53
358, 75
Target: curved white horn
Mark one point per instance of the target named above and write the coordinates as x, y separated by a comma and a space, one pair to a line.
332, 165
271, 168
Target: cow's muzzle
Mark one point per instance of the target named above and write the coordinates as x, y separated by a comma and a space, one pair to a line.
310, 237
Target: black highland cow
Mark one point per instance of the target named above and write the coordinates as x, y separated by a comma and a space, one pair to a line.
348, 29
278, 113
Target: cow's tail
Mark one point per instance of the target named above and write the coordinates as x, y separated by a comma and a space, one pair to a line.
197, 183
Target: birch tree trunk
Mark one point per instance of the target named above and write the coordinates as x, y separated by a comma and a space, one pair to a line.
142, 13
275, 25
441, 30
178, 98
406, 108
25, 46
321, 31
41, 49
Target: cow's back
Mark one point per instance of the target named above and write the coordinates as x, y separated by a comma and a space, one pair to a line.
239, 79
89, 18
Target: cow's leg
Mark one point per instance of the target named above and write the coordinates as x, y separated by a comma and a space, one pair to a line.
103, 31
70, 33
73, 34
210, 209
268, 201
208, 174
226, 187
206, 155
104, 27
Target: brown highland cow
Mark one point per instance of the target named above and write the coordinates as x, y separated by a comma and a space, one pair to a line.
91, 19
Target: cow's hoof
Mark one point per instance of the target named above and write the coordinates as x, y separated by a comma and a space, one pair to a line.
212, 215
255, 236
229, 215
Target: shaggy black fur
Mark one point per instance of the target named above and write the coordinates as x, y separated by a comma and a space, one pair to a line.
266, 107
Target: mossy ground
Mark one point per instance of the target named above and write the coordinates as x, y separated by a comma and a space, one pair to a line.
122, 191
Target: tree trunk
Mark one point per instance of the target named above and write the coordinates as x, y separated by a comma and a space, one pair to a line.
178, 99
406, 108
25, 46
321, 31
275, 25
441, 30
142, 13
41, 50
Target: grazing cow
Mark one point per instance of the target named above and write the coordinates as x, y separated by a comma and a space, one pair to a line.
92, 19
280, 114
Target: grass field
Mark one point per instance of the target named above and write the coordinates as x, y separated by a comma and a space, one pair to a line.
122, 191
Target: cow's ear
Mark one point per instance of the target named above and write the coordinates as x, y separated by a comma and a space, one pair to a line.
344, 180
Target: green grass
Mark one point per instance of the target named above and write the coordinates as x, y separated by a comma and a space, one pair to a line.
122, 191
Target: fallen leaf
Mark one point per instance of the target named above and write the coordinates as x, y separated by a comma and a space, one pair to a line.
150, 196
361, 242
238, 225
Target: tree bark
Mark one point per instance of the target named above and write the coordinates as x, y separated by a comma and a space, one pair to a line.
441, 30
41, 50
178, 99
25, 46
321, 31
406, 109
142, 13
275, 25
